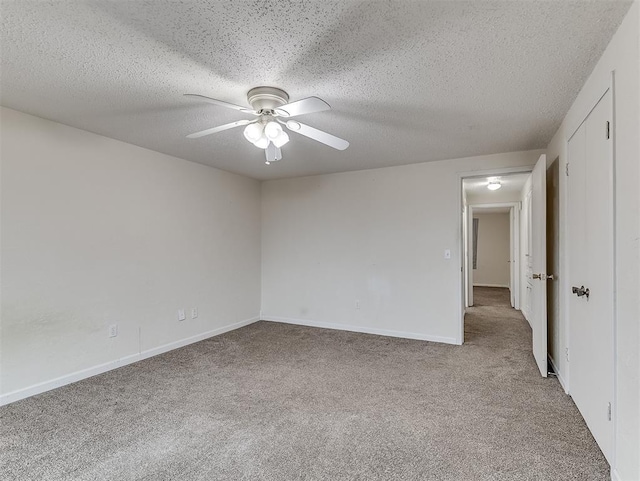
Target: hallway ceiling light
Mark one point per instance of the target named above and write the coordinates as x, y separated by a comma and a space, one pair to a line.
494, 185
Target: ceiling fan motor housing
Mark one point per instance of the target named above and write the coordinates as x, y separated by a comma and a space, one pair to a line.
267, 98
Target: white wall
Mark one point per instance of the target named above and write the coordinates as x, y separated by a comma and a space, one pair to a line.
493, 250
97, 231
622, 56
375, 236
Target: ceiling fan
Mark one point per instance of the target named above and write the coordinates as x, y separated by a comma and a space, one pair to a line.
271, 105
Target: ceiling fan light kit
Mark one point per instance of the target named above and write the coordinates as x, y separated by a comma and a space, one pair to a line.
270, 104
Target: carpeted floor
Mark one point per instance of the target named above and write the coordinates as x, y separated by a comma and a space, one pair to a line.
279, 402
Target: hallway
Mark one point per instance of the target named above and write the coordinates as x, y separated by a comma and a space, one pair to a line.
492, 320
502, 337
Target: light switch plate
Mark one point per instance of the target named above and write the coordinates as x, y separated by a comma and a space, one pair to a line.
181, 315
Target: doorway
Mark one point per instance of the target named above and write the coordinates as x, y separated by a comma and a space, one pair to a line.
493, 249
492, 234
555, 337
528, 211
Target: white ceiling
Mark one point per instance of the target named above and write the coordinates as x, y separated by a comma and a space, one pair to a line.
510, 190
491, 210
409, 81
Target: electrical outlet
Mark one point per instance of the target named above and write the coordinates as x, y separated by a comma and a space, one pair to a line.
113, 330
194, 312
181, 315
447, 254
357, 303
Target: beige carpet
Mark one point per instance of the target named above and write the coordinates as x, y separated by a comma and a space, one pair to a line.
279, 402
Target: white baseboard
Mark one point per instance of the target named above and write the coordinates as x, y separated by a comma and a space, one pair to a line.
490, 285
365, 330
123, 361
615, 476
559, 375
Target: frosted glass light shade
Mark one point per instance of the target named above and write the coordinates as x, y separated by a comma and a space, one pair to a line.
253, 132
272, 130
281, 139
262, 142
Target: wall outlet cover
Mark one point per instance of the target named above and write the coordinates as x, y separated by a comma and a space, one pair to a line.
113, 330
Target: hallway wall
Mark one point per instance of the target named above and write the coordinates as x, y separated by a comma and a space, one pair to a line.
493, 250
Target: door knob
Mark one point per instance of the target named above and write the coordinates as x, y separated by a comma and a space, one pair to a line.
537, 276
580, 291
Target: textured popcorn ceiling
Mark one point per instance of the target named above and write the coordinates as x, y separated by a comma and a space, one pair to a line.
409, 81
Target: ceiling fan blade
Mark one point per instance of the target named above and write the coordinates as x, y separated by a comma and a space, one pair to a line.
220, 128
302, 107
221, 103
319, 135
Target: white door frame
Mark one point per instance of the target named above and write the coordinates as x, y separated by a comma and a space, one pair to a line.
514, 242
468, 175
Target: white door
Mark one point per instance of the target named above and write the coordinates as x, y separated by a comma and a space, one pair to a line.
590, 252
465, 259
512, 264
539, 263
470, 248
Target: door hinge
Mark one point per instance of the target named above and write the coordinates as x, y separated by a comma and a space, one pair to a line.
566, 351
609, 411
608, 129
566, 169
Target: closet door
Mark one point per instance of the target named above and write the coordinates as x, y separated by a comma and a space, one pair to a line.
591, 271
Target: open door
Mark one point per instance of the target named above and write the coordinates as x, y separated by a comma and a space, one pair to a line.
512, 256
470, 241
539, 263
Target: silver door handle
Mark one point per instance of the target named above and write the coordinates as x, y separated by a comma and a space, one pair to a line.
543, 277
580, 291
